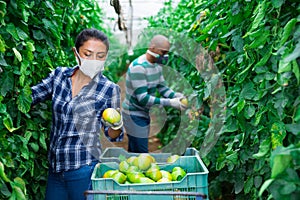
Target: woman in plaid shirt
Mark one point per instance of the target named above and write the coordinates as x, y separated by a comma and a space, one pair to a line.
79, 96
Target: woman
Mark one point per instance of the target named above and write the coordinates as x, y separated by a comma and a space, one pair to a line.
79, 96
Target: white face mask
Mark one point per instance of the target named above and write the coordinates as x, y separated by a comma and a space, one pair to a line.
90, 67
155, 55
160, 59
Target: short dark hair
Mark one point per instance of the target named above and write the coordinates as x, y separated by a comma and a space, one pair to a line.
91, 33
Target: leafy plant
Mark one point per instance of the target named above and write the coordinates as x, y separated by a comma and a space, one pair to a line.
255, 46
36, 37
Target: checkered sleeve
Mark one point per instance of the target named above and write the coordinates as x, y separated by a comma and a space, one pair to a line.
43, 90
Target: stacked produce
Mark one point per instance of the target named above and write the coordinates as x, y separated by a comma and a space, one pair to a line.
144, 169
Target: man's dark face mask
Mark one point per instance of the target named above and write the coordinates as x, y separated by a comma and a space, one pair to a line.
162, 60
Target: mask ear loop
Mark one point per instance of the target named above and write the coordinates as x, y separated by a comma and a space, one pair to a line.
155, 55
77, 56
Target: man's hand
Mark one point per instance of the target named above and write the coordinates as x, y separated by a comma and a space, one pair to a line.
175, 103
179, 95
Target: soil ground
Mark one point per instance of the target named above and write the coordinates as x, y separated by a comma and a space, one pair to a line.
153, 143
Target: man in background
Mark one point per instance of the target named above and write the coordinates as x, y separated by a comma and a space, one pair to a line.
144, 78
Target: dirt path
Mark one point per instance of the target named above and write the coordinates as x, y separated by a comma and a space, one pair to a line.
154, 143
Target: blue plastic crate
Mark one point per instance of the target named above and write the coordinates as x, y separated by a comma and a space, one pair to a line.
195, 181
112, 154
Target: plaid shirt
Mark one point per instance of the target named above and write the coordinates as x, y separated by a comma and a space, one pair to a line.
76, 122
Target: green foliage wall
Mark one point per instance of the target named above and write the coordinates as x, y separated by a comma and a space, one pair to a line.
256, 47
36, 37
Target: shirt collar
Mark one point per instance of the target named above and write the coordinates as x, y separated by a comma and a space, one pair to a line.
71, 71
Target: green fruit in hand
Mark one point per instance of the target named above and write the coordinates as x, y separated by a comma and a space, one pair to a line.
178, 173
184, 101
154, 174
111, 115
109, 173
172, 158
119, 177
166, 174
124, 166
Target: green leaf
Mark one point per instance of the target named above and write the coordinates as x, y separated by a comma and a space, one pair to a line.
38, 35
266, 184
278, 134
258, 116
241, 105
3, 61
288, 28
293, 128
277, 3
288, 188
43, 141
24, 99
25, 15
238, 43
264, 148
2, 46
233, 157
248, 91
28, 135
49, 5
280, 164
8, 123
21, 34
257, 181
295, 54
25, 152
11, 29
259, 15
296, 70
249, 111
2, 173
2, 11
30, 46
296, 117
259, 42
248, 185
18, 192
17, 54
23, 72
2, 108
122, 157
231, 125
7, 83
20, 183
220, 164
264, 59
284, 66
34, 146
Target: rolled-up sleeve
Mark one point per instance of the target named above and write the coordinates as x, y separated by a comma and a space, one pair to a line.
43, 90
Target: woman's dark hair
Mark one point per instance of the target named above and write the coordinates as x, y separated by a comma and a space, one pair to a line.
88, 34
